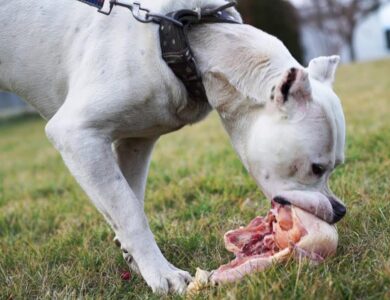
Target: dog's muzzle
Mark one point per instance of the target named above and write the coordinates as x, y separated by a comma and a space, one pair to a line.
338, 209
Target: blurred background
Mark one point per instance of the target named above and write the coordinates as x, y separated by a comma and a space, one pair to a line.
357, 30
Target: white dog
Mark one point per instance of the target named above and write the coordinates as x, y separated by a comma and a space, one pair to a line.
107, 94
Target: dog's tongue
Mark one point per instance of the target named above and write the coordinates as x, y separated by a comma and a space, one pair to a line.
257, 244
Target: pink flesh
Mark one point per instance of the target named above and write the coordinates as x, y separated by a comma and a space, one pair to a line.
254, 239
255, 244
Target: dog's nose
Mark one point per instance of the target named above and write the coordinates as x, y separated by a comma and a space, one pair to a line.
281, 200
339, 210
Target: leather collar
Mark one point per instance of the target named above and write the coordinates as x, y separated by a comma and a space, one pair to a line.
176, 50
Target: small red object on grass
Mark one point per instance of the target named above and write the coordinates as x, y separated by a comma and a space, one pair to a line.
126, 276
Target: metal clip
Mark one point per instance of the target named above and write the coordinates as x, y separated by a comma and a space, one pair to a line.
107, 7
140, 14
198, 12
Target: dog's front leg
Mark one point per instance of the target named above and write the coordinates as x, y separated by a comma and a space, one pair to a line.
87, 152
133, 157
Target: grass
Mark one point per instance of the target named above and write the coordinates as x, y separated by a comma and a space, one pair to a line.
54, 244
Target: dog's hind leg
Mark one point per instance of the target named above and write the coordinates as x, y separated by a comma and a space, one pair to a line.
133, 157
85, 146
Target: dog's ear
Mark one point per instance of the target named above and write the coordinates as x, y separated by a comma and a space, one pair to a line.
293, 90
324, 68
226, 98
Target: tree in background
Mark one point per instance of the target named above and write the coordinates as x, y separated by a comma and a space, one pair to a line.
340, 18
276, 17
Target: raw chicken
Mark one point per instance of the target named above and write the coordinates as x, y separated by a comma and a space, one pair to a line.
286, 231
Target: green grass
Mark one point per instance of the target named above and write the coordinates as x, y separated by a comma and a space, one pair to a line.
53, 243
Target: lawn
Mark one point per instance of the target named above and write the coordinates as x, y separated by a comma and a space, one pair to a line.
54, 244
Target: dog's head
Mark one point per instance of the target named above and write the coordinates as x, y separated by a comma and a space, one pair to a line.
284, 120
291, 142
296, 142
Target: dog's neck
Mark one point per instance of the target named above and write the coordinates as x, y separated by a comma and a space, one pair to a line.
239, 64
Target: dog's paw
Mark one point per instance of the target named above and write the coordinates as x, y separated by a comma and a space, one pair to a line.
131, 263
128, 258
167, 280
160, 275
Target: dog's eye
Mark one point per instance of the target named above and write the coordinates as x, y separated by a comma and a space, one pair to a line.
318, 169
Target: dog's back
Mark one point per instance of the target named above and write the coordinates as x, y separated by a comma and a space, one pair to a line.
31, 51
44, 44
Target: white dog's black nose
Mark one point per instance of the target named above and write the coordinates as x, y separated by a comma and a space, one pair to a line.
339, 210
282, 201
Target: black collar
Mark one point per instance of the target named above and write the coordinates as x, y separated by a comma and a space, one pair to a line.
175, 48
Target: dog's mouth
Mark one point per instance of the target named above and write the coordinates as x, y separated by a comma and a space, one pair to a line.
284, 231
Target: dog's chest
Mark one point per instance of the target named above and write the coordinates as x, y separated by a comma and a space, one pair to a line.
158, 116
